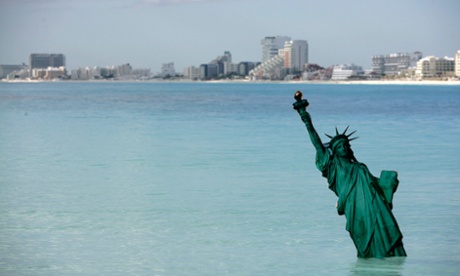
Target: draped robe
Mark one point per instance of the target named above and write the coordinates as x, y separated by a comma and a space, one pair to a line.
369, 218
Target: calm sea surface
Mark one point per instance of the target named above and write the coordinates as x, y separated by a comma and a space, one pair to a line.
217, 179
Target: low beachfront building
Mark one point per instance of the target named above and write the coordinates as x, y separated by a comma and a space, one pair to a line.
6, 69
54, 73
49, 73
434, 67
141, 73
394, 64
345, 71
19, 75
86, 73
124, 70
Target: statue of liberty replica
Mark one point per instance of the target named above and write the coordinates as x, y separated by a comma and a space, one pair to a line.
365, 200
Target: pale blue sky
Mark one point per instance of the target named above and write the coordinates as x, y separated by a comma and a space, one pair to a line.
147, 33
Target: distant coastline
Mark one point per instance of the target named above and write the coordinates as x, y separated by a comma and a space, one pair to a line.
343, 82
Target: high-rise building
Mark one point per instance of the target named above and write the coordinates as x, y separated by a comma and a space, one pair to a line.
227, 57
295, 55
271, 45
209, 71
46, 60
222, 63
290, 58
415, 57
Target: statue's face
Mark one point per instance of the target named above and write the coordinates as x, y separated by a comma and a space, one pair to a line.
342, 149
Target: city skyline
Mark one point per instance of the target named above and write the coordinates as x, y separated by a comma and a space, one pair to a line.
148, 34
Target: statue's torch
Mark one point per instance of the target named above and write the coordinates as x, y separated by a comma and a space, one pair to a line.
301, 104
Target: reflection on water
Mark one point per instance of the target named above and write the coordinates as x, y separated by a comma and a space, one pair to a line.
387, 266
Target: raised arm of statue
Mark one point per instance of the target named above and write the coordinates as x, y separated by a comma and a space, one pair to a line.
300, 105
314, 137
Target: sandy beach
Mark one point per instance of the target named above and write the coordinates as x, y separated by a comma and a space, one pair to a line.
400, 82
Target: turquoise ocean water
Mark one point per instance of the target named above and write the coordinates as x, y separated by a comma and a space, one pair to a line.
217, 179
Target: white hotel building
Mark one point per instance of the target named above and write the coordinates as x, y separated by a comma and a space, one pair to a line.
431, 66
345, 71
457, 64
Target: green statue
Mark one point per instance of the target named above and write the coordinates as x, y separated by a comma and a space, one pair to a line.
365, 200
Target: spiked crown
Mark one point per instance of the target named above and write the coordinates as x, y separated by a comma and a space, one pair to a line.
339, 137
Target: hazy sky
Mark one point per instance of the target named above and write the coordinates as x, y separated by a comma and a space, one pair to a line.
147, 33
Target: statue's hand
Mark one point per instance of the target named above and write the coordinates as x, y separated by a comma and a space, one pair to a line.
340, 210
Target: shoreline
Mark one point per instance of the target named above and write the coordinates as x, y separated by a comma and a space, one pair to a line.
330, 82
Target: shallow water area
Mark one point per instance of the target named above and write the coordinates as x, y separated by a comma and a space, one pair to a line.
217, 179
